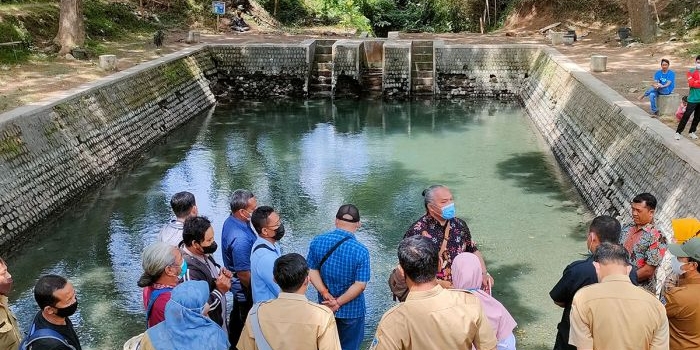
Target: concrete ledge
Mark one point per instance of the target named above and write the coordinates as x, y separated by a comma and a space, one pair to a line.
668, 104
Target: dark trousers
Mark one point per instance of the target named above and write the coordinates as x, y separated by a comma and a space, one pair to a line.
692, 107
239, 313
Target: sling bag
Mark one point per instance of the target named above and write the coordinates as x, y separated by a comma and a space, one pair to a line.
152, 301
325, 257
43, 333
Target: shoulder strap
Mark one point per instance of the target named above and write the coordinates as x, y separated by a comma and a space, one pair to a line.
262, 245
260, 340
152, 300
325, 257
44, 333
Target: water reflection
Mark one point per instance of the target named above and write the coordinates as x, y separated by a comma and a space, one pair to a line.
306, 158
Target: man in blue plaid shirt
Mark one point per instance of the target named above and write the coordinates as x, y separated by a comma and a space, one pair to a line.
339, 269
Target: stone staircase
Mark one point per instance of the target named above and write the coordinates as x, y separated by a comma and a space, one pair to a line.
422, 69
371, 80
322, 69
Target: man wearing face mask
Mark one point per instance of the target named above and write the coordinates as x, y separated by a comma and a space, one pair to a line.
198, 237
450, 234
266, 250
682, 303
237, 238
9, 328
51, 328
340, 270
163, 265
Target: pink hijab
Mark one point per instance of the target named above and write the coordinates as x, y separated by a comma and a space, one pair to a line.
467, 274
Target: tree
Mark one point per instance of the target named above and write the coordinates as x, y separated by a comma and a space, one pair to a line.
641, 20
71, 26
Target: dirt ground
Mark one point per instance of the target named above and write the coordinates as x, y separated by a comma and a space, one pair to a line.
630, 69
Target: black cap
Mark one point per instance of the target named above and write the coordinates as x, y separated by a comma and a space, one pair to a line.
348, 212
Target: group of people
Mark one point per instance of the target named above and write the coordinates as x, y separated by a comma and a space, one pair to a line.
185, 288
664, 84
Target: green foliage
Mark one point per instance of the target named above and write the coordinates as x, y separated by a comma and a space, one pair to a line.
693, 20
290, 12
111, 20
13, 30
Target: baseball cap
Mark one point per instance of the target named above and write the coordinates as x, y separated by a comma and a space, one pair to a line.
689, 249
348, 212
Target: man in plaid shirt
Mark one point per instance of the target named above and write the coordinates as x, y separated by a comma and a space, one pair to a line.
339, 269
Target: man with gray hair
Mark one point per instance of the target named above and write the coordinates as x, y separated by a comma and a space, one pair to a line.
431, 317
163, 266
449, 234
237, 238
184, 206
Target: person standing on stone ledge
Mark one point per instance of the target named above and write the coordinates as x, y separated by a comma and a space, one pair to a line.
643, 241
664, 82
693, 102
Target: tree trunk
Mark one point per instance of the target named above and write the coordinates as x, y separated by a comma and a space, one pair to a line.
71, 29
641, 20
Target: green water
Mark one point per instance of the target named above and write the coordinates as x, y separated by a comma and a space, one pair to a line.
306, 159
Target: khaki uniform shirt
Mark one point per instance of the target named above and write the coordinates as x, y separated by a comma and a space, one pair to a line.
291, 322
616, 315
10, 336
435, 319
683, 310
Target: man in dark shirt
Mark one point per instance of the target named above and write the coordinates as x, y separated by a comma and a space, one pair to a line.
582, 273
56, 299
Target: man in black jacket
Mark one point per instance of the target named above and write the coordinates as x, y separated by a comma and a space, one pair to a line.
199, 244
51, 328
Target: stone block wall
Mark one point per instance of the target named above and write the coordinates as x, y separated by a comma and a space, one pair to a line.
396, 81
50, 155
346, 68
610, 148
481, 71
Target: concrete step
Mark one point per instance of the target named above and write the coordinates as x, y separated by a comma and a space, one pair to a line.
425, 89
320, 87
320, 80
423, 74
422, 50
324, 66
423, 58
328, 94
323, 58
423, 43
423, 66
325, 42
323, 49
322, 73
422, 81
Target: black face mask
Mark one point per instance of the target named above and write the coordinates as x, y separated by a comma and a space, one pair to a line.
68, 310
279, 233
210, 249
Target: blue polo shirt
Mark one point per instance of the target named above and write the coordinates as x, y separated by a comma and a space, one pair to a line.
262, 261
348, 264
237, 238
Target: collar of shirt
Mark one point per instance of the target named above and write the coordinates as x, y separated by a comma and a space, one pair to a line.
616, 278
275, 246
648, 228
241, 224
188, 252
4, 301
292, 296
425, 294
176, 224
344, 233
685, 281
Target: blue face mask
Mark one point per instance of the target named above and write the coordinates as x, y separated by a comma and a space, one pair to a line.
448, 211
183, 269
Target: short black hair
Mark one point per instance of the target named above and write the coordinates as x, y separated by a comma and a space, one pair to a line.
260, 216
45, 287
290, 271
697, 58
607, 228
182, 203
194, 229
647, 198
665, 60
611, 253
418, 257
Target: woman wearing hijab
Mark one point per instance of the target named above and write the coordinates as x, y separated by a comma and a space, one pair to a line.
467, 274
186, 327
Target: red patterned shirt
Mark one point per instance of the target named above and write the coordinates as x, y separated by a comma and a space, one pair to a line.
647, 246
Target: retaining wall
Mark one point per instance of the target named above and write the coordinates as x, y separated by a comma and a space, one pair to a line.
51, 154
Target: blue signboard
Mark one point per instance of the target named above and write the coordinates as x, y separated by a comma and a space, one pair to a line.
218, 7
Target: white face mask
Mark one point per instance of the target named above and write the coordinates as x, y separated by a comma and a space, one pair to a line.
676, 266
697, 66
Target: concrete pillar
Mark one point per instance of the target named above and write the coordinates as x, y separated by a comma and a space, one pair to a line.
599, 63
392, 35
108, 62
192, 37
668, 104
557, 38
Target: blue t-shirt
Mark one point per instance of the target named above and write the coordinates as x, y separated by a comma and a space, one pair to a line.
663, 78
237, 238
348, 264
262, 261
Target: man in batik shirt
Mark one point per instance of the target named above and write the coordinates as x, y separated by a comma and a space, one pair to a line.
643, 241
449, 234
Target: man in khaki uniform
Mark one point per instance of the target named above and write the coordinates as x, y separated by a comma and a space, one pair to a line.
614, 314
431, 317
290, 322
683, 302
9, 329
